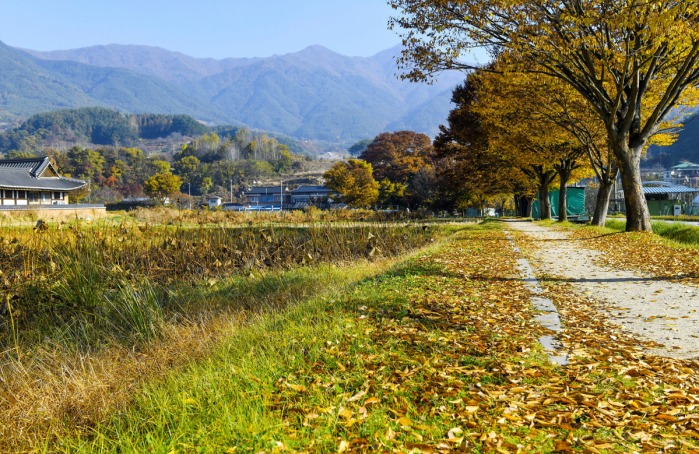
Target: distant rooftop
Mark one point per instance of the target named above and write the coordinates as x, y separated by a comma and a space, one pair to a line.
661, 187
686, 165
264, 190
304, 188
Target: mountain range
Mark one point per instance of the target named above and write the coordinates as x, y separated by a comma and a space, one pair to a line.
313, 94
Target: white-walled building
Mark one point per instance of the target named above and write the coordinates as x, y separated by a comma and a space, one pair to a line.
34, 181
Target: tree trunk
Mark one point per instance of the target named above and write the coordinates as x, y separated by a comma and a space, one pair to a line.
602, 204
544, 202
564, 176
637, 214
530, 208
518, 206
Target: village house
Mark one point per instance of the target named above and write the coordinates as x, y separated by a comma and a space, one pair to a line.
278, 198
303, 196
271, 198
685, 173
34, 181
214, 201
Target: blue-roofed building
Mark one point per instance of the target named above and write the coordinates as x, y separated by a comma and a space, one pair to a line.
276, 198
304, 196
270, 198
663, 197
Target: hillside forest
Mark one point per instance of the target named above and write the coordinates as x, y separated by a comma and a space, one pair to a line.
102, 146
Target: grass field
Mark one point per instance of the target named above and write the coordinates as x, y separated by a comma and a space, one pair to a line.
428, 344
437, 353
90, 310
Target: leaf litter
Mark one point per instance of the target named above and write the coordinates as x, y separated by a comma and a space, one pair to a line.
449, 362
441, 355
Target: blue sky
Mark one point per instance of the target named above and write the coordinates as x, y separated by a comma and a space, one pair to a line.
203, 28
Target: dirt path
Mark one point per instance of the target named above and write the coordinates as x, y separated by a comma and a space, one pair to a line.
660, 310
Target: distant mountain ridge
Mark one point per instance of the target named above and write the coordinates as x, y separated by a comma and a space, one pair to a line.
174, 67
312, 94
29, 85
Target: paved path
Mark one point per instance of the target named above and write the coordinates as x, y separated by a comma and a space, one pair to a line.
664, 311
549, 314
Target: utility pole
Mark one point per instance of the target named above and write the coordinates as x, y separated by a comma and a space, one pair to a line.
281, 195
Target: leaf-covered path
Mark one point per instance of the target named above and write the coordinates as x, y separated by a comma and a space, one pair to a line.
662, 307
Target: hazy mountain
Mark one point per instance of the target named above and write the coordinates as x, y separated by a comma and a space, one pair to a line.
153, 61
129, 91
27, 88
319, 94
315, 93
422, 117
29, 85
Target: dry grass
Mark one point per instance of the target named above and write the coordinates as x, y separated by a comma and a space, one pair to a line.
165, 215
90, 311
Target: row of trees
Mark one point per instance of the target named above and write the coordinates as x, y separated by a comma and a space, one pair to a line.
574, 84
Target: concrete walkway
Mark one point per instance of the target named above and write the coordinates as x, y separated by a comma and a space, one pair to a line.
664, 311
549, 314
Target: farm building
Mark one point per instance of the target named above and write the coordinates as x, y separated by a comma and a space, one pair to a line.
34, 181
662, 197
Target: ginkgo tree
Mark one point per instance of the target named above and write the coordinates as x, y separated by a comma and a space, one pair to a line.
634, 61
529, 131
479, 170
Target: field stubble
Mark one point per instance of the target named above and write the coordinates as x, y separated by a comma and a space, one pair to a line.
91, 310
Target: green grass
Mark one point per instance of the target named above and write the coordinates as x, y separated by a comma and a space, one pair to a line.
680, 233
373, 368
234, 397
676, 218
685, 235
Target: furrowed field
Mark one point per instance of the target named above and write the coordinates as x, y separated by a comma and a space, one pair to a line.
90, 310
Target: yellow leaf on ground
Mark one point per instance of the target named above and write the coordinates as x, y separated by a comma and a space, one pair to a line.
297, 388
405, 422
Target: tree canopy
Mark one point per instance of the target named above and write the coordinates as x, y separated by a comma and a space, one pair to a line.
162, 185
633, 61
397, 156
352, 183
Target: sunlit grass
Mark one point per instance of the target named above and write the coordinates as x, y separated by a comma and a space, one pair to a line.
92, 309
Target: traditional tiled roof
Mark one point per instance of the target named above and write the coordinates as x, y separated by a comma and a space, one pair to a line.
29, 174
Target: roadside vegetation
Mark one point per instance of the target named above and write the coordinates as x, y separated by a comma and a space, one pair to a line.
681, 233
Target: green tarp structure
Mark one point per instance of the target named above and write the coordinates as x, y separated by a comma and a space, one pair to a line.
575, 203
